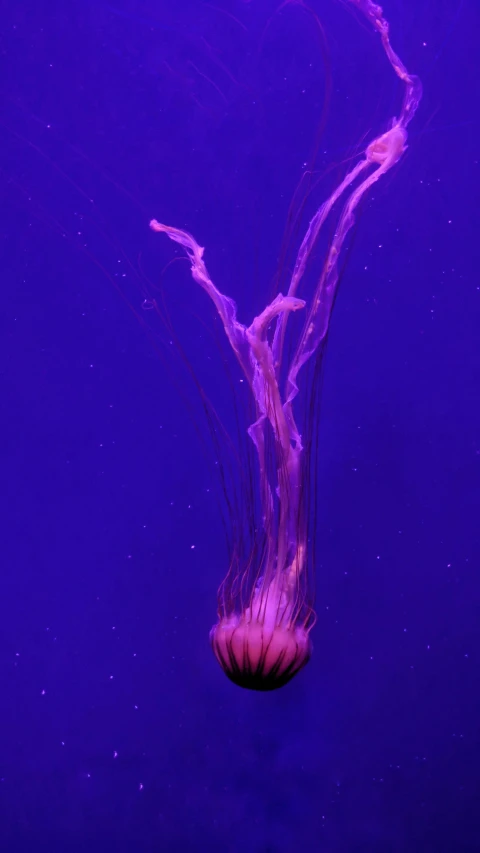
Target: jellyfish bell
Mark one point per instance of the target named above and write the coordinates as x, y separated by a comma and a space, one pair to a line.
263, 647
259, 655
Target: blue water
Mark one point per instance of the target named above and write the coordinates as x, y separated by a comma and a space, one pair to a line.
118, 730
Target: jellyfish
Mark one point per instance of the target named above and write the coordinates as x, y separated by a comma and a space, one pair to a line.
265, 608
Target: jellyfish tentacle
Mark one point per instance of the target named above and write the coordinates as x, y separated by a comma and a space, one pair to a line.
225, 306
255, 356
304, 253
